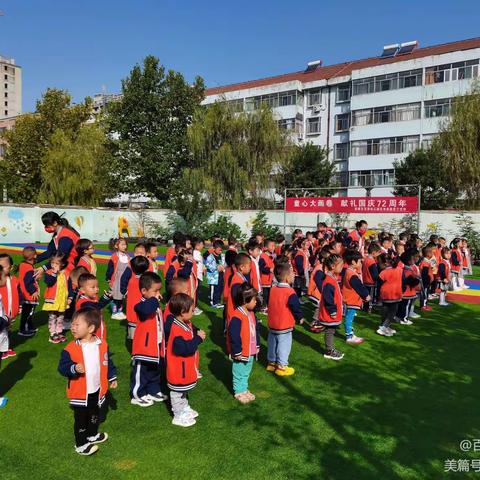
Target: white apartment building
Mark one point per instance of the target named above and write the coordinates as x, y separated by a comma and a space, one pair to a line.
368, 113
10, 88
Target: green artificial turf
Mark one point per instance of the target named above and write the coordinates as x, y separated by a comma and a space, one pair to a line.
393, 408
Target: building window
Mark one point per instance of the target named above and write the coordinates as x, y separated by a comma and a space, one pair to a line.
292, 125
342, 122
313, 126
273, 100
343, 93
6, 113
391, 113
340, 151
6, 104
385, 146
236, 105
371, 178
451, 71
6, 94
392, 81
313, 98
340, 179
438, 108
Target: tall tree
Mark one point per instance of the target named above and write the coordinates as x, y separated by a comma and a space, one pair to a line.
308, 167
149, 128
29, 141
76, 168
459, 144
422, 168
234, 155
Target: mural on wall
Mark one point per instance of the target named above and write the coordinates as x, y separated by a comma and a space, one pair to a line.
18, 221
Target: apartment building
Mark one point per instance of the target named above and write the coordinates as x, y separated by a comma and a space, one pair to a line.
368, 113
10, 88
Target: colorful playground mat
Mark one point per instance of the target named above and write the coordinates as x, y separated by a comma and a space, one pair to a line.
100, 256
470, 295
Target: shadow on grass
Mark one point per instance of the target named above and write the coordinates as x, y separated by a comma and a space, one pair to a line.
15, 371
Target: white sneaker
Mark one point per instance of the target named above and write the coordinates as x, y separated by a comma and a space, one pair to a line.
354, 340
444, 304
121, 316
414, 315
183, 420
159, 397
391, 330
197, 311
116, 316
384, 332
190, 411
406, 321
141, 402
87, 449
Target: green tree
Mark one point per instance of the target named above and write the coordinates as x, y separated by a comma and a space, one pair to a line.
459, 144
260, 226
234, 155
422, 168
29, 141
149, 128
75, 168
308, 167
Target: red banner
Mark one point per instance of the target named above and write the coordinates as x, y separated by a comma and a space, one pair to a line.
353, 204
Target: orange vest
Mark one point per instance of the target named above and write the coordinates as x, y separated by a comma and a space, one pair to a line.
23, 269
410, 292
229, 272
146, 345
237, 279
168, 259
84, 263
426, 263
51, 292
254, 275
66, 232
305, 263
133, 297
77, 387
246, 318
313, 290
368, 261
324, 315
351, 298
280, 317
458, 255
10, 305
192, 280
266, 279
182, 372
391, 288
446, 263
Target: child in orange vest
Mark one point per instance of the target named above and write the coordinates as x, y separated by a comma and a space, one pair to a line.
11, 295
88, 297
85, 250
390, 292
444, 276
182, 359
411, 279
56, 296
241, 271
280, 243
331, 304
266, 265
117, 264
176, 286
129, 286
29, 290
243, 341
284, 310
354, 293
148, 344
301, 267
151, 250
456, 263
86, 363
428, 276
179, 241
370, 274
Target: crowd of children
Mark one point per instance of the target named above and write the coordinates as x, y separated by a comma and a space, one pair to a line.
339, 272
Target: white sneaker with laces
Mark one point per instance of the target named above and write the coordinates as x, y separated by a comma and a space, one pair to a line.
183, 420
384, 332
159, 397
141, 402
197, 311
190, 411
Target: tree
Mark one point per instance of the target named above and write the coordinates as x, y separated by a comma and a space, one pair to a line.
234, 155
29, 141
260, 226
75, 168
149, 129
308, 167
422, 167
459, 144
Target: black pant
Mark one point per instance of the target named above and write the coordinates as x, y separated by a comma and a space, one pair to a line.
26, 319
266, 296
217, 290
86, 420
389, 313
329, 334
404, 308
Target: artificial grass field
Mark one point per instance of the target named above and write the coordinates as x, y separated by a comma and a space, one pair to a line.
393, 408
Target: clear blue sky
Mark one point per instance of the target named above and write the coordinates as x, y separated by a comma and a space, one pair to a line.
81, 45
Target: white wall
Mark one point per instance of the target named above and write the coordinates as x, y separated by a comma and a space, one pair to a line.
22, 224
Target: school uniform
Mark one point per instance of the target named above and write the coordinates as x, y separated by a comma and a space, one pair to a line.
182, 363
301, 267
169, 256
456, 267
354, 294
283, 310
266, 263
410, 294
315, 285
147, 349
243, 342
28, 287
370, 279
130, 286
88, 263
330, 308
237, 279
86, 391
97, 304
426, 273
390, 293
63, 241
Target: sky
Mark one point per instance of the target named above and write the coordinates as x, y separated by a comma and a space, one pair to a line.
85, 46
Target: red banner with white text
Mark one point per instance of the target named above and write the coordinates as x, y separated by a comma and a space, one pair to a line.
352, 204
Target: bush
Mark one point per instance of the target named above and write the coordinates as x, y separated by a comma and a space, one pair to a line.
260, 226
469, 230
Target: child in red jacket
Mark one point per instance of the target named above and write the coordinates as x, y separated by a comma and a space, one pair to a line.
265, 266
87, 365
148, 344
243, 340
182, 359
284, 310
331, 304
